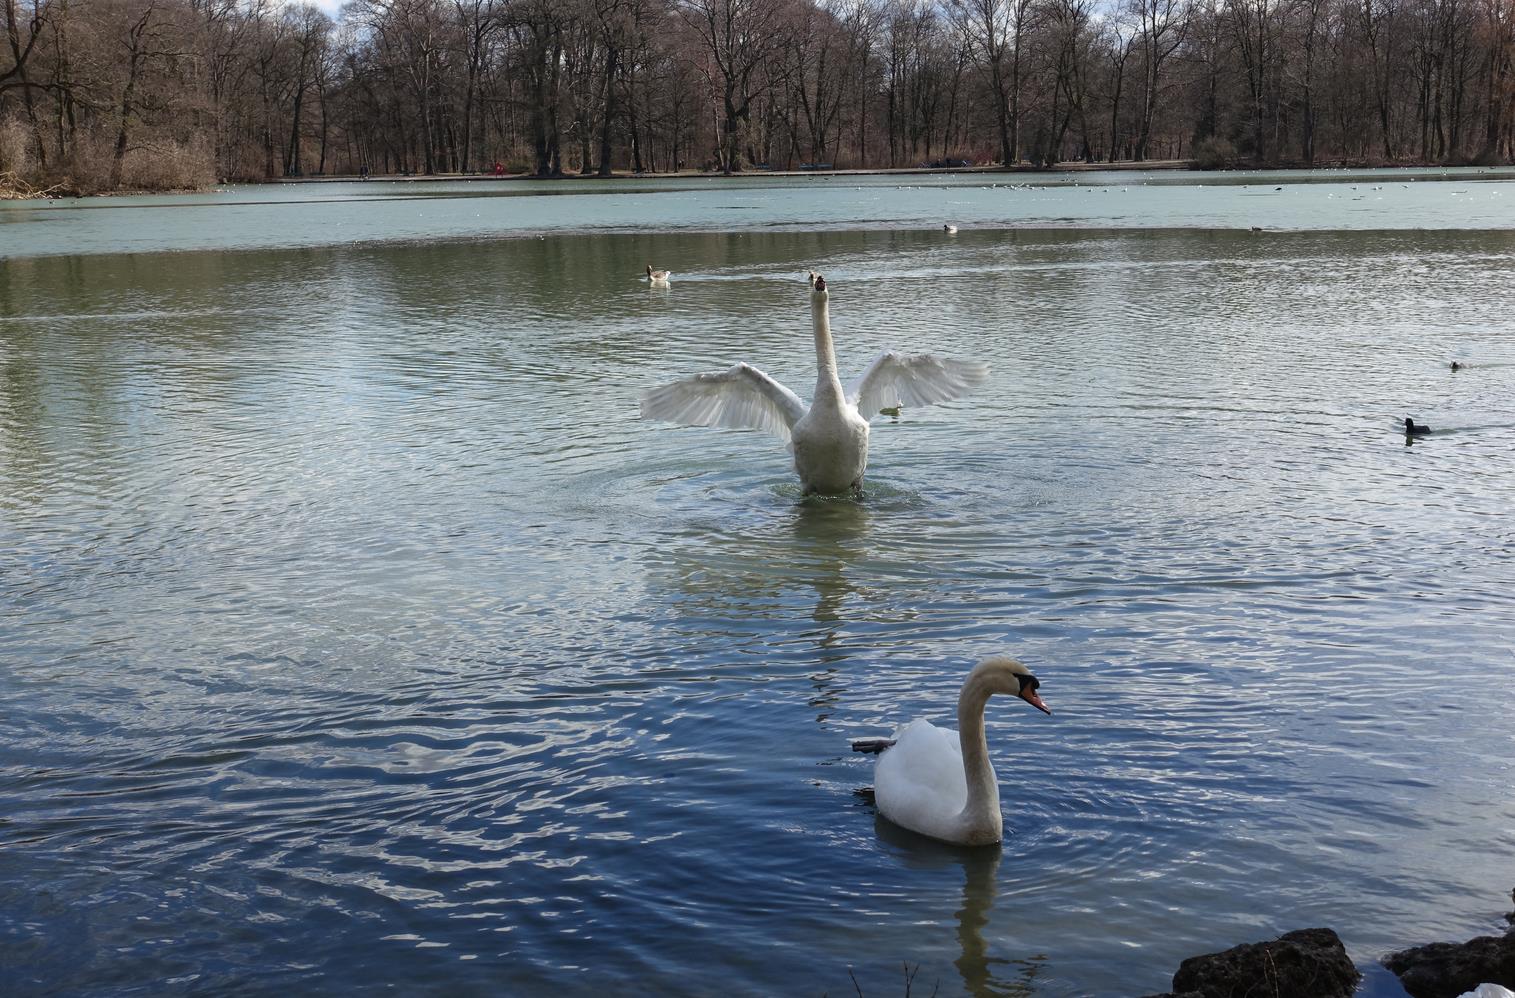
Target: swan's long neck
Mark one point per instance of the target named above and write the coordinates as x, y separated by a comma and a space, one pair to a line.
983, 789
828, 387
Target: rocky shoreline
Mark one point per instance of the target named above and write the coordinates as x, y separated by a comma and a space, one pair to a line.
1313, 963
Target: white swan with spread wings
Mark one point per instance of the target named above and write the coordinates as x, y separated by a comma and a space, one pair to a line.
830, 436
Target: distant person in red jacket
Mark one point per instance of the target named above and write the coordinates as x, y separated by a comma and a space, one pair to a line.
499, 168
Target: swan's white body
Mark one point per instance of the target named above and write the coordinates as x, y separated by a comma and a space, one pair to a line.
940, 782
1488, 991
830, 436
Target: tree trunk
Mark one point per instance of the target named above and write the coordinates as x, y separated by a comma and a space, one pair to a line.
136, 55
612, 59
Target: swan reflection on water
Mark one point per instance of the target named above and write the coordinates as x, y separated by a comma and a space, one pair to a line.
778, 546
827, 535
975, 964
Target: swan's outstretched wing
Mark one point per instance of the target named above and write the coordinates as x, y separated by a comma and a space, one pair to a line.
742, 398
895, 379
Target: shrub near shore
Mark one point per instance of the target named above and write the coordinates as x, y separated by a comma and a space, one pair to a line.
162, 166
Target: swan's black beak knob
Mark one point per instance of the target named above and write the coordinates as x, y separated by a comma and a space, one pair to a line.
1028, 693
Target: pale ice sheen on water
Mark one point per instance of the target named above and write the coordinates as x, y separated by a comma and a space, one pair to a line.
355, 633
343, 212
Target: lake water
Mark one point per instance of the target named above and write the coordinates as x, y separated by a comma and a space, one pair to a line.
356, 634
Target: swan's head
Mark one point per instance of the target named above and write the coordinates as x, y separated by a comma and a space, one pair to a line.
1005, 675
818, 285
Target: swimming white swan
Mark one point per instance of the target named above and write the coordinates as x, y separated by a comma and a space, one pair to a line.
940, 783
830, 437
658, 276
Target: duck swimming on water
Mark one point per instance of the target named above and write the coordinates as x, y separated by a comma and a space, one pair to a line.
1414, 429
658, 276
829, 437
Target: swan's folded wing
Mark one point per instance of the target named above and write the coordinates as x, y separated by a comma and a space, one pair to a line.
742, 398
895, 379
921, 778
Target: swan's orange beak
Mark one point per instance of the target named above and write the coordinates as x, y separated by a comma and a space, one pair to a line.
1029, 695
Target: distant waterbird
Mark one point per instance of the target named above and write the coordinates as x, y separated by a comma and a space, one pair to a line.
829, 437
1414, 429
658, 276
1457, 366
950, 229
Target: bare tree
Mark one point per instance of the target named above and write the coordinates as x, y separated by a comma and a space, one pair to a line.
1499, 39
1257, 33
308, 32
1379, 21
1120, 38
994, 31
1164, 25
478, 23
740, 37
22, 32
146, 40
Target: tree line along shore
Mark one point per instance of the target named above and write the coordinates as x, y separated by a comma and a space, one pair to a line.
105, 95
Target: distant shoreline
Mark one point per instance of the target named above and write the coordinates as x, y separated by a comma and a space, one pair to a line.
1068, 168
1073, 167
62, 193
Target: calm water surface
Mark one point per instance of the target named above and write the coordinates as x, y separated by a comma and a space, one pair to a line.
355, 633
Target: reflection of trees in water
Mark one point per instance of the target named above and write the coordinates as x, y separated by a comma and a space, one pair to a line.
1016, 977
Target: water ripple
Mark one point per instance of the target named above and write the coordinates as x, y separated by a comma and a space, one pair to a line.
360, 635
